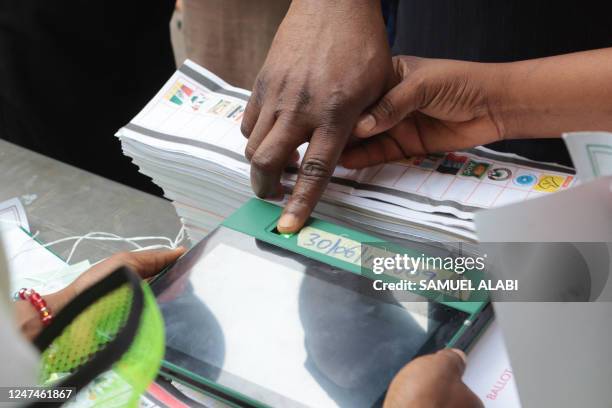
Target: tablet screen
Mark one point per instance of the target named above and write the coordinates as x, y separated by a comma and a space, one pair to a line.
287, 330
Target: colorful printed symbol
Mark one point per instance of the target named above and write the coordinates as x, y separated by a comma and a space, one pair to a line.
236, 113
219, 107
178, 93
499, 174
525, 179
451, 164
549, 183
475, 169
428, 162
197, 101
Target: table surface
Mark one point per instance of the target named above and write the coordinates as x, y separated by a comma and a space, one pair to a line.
62, 201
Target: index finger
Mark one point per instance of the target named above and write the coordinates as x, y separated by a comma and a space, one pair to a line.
315, 171
274, 153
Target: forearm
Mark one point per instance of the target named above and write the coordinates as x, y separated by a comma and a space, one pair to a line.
548, 96
337, 12
337, 3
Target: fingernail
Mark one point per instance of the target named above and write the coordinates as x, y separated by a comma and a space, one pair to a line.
461, 354
367, 123
288, 223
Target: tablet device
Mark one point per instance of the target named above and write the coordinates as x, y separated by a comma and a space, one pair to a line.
256, 318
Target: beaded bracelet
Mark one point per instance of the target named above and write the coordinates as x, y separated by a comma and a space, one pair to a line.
39, 304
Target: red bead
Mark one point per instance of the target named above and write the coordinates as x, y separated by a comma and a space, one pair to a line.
39, 303
22, 293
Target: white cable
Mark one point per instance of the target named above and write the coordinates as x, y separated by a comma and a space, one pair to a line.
107, 236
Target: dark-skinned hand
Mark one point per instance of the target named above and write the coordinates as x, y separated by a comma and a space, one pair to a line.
437, 106
432, 381
146, 264
328, 62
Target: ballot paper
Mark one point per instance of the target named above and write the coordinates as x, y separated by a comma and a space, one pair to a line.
552, 344
591, 153
24, 255
33, 266
188, 140
30, 264
488, 372
12, 213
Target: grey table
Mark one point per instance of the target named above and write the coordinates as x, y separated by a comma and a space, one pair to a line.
61, 201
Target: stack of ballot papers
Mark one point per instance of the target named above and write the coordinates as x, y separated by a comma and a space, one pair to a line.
188, 140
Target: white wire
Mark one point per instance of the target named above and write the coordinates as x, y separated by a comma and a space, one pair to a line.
107, 236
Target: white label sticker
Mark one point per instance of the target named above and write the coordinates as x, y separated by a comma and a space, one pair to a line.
327, 243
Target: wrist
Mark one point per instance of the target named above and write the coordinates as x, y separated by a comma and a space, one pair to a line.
519, 106
356, 8
28, 318
500, 98
337, 3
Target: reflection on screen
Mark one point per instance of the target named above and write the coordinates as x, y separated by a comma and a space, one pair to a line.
286, 333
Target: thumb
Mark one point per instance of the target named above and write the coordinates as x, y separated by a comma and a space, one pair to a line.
149, 263
391, 109
145, 264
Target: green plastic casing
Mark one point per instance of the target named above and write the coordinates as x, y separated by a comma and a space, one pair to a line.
258, 219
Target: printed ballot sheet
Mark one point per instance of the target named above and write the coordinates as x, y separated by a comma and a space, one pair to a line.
489, 373
188, 139
30, 264
12, 214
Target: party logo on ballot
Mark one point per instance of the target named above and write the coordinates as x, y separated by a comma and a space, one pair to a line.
475, 169
178, 93
451, 164
525, 180
499, 174
549, 183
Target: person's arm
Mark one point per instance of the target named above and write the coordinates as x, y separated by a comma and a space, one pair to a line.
548, 96
444, 105
145, 264
329, 61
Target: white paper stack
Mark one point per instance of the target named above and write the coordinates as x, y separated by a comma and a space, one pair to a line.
188, 140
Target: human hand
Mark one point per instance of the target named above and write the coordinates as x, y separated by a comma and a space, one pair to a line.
146, 264
329, 61
432, 381
437, 106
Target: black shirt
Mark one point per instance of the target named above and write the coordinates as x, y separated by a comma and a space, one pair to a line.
72, 72
501, 31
